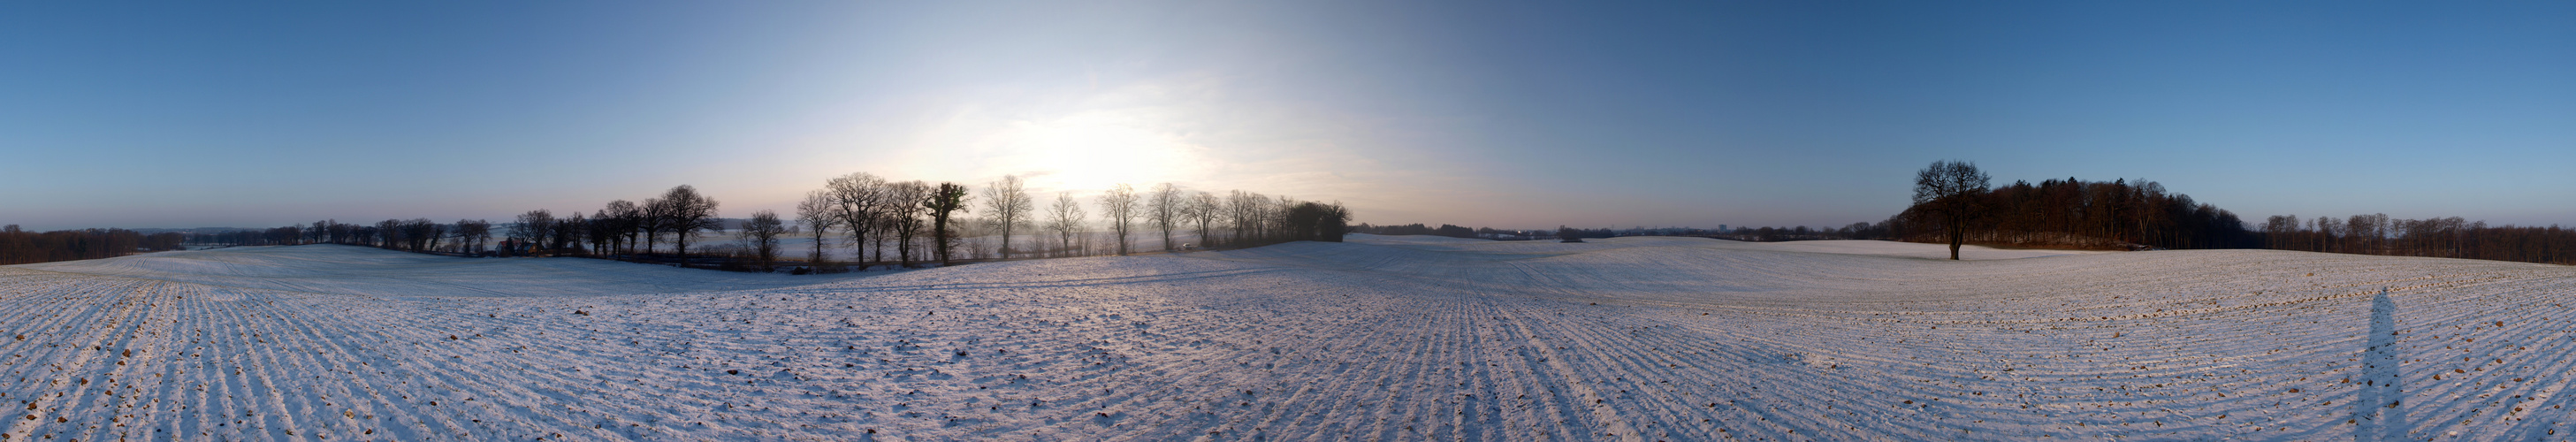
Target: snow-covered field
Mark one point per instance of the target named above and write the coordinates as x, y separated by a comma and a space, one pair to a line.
1383, 338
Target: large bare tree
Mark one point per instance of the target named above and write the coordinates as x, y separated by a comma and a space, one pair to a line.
859, 196
1204, 209
687, 212
1947, 191
1065, 217
1119, 206
1007, 207
653, 217
1166, 208
903, 215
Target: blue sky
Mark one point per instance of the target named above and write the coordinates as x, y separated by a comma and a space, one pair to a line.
1481, 113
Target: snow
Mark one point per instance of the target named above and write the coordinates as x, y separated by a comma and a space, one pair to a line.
1380, 338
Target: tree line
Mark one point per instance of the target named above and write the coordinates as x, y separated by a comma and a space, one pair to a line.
1757, 234
881, 222
918, 222
418, 234
1953, 204
18, 246
2451, 237
1878, 230
1457, 231
1448, 230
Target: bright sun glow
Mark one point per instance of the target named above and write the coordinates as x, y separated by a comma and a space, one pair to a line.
1091, 151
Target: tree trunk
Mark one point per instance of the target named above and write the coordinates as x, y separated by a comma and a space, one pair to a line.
1958, 235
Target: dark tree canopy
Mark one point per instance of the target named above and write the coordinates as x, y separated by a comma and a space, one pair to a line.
23, 247
1947, 193
685, 212
944, 203
1316, 222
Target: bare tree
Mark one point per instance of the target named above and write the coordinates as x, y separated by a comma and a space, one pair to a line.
973, 236
568, 231
620, 222
816, 212
431, 232
1244, 209
857, 198
532, 227
337, 232
1948, 191
1274, 218
653, 216
418, 233
1166, 208
903, 215
1064, 218
1007, 206
470, 234
1119, 205
603, 231
389, 234
687, 212
760, 234
944, 201
1205, 208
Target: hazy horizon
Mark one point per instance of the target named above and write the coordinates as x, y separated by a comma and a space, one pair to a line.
1480, 114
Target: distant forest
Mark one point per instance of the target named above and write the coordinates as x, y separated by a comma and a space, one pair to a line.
24, 247
2141, 214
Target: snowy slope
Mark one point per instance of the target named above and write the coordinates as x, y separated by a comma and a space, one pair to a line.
1381, 338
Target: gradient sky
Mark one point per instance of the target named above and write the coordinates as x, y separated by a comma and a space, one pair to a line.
258, 114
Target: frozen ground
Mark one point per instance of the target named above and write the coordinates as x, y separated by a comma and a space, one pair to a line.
1382, 338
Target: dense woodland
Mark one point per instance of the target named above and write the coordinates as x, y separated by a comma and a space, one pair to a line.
23, 247
2142, 214
2098, 215
884, 222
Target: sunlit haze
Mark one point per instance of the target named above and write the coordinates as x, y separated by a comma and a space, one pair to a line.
204, 114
